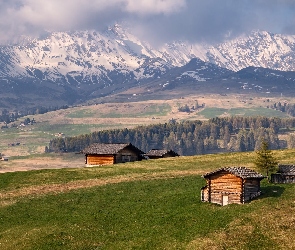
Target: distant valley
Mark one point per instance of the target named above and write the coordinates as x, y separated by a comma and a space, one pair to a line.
81, 120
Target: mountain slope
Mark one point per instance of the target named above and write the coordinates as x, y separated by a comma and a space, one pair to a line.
79, 55
73, 67
260, 49
199, 77
87, 54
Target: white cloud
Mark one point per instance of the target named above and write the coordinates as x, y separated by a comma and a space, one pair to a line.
34, 16
157, 20
154, 6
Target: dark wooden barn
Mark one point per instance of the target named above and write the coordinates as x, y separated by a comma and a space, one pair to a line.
160, 153
231, 185
106, 154
285, 174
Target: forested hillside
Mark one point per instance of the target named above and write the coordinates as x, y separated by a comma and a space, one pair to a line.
192, 137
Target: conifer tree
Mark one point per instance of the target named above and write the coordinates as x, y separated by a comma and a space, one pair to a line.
265, 160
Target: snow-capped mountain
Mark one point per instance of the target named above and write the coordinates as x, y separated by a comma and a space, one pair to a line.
89, 64
85, 56
199, 77
260, 49
90, 56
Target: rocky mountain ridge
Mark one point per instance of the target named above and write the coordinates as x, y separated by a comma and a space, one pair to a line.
75, 66
90, 53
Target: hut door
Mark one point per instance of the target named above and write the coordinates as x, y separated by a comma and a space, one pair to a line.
224, 200
126, 158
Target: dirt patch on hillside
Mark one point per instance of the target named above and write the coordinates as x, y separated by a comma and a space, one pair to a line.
39, 163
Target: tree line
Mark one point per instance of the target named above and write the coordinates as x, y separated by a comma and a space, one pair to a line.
288, 108
190, 137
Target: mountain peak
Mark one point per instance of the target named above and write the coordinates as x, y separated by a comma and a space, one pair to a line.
104, 59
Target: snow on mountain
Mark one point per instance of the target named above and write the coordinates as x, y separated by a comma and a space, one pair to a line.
202, 71
116, 56
180, 53
82, 56
74, 67
260, 49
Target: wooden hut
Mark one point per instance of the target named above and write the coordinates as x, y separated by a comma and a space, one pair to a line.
231, 185
285, 174
160, 153
111, 153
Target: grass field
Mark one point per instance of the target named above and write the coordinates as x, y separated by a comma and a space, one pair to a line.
115, 111
209, 113
151, 204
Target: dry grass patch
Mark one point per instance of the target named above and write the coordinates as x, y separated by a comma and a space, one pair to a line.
278, 223
233, 236
37, 163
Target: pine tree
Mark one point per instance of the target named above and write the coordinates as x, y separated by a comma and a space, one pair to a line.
265, 160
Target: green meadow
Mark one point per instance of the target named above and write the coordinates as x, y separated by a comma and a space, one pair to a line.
153, 204
149, 110
209, 113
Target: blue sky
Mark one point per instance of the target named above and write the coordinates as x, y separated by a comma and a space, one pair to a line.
156, 21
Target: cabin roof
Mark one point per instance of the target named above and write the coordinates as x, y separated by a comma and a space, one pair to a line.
160, 152
287, 169
109, 148
243, 172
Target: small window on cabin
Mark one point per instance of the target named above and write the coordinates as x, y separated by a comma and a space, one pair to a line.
126, 158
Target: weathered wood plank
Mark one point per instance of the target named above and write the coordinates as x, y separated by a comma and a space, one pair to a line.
100, 159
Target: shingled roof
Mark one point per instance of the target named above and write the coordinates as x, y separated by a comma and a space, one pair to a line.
108, 148
244, 173
160, 152
287, 169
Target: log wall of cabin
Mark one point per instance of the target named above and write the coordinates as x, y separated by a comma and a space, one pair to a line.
280, 178
224, 183
251, 188
127, 152
205, 193
100, 159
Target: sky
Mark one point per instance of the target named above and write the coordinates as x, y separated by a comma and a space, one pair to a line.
156, 21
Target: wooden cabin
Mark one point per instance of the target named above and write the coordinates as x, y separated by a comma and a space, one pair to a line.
285, 174
4, 158
160, 153
111, 153
231, 185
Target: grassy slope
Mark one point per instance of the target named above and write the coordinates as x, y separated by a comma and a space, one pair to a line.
86, 119
215, 112
142, 205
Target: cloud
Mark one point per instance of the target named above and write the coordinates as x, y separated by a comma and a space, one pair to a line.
157, 21
214, 20
147, 7
31, 17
